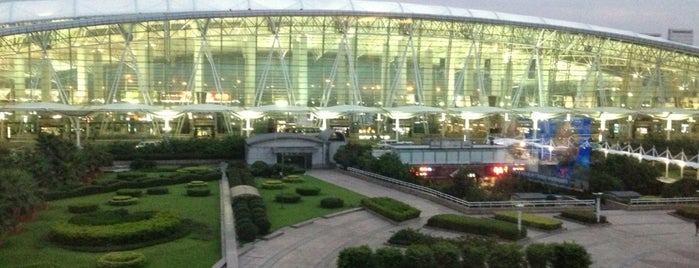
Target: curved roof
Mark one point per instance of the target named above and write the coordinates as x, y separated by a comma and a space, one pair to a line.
19, 15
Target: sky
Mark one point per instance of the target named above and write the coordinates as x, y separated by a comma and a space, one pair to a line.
641, 16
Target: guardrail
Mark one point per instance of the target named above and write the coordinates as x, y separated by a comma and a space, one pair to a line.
487, 204
663, 201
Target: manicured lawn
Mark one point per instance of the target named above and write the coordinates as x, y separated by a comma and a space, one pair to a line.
287, 214
199, 249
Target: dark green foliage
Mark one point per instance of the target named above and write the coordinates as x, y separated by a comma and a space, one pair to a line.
505, 256
332, 202
446, 254
109, 217
83, 208
122, 200
131, 175
198, 191
122, 259
130, 192
229, 147
570, 255
390, 165
287, 198
585, 216
419, 256
688, 212
157, 191
308, 191
250, 209
405, 237
538, 255
474, 256
354, 257
482, 226
391, 208
239, 174
246, 231
389, 257
635, 176
141, 164
260, 169
681, 188
347, 155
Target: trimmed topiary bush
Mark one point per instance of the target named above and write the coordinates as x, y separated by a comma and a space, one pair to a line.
194, 184
308, 191
83, 208
287, 198
481, 226
157, 191
391, 208
272, 185
332, 202
122, 200
246, 231
585, 216
198, 191
141, 164
130, 192
122, 259
530, 220
292, 179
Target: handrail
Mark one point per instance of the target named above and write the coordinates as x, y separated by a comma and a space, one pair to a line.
656, 201
486, 204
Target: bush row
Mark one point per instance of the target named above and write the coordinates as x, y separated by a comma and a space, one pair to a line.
308, 191
122, 200
332, 202
109, 217
417, 249
122, 259
272, 185
481, 226
391, 208
688, 212
250, 218
288, 198
162, 224
83, 208
585, 216
531, 220
146, 182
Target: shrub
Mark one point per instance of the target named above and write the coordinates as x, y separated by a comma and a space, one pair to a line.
263, 224
260, 169
272, 184
481, 226
246, 231
332, 202
131, 175
292, 179
688, 212
391, 208
198, 191
160, 225
446, 254
584, 216
123, 200
538, 255
308, 191
570, 255
389, 257
141, 164
196, 183
287, 198
474, 256
130, 192
122, 259
406, 237
353, 257
419, 256
506, 256
83, 208
157, 191
110, 217
531, 220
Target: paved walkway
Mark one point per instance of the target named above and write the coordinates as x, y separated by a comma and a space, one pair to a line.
634, 239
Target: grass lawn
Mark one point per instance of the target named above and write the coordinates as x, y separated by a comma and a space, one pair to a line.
287, 214
201, 248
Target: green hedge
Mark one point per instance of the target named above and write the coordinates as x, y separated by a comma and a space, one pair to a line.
272, 185
83, 208
531, 220
162, 224
308, 191
332, 202
157, 191
198, 191
688, 212
391, 208
122, 259
130, 192
585, 216
287, 198
481, 226
109, 217
122, 200
292, 179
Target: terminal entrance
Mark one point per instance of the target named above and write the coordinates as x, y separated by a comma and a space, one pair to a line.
304, 160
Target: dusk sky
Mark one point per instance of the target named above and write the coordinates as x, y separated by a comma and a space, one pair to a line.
642, 16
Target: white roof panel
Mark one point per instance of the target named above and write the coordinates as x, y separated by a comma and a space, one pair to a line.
373, 6
85, 8
483, 14
431, 9
327, 5
519, 18
274, 4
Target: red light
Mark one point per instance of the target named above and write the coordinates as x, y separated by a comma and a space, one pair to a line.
499, 170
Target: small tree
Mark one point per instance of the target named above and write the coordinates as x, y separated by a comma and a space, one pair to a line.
355, 257
570, 255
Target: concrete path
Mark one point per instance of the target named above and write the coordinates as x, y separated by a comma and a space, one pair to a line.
634, 239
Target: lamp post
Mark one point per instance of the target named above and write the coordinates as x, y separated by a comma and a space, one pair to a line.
598, 195
519, 216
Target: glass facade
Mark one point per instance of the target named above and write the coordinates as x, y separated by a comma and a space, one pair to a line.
322, 60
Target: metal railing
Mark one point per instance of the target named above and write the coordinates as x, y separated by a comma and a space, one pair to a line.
485, 204
663, 201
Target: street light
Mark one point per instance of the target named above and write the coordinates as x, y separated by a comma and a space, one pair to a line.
519, 216
598, 195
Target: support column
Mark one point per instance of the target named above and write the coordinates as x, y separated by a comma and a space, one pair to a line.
428, 85
79, 91
299, 72
197, 84
250, 81
20, 84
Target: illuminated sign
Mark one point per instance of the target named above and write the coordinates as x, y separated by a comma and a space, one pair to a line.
499, 170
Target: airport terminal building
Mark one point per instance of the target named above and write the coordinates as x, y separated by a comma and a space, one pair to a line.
243, 54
